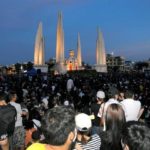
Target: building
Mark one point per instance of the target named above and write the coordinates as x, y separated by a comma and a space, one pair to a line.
115, 63
129, 65
72, 62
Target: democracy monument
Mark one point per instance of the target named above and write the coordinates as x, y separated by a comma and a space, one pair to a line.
72, 63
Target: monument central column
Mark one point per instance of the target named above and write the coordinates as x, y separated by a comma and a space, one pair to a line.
79, 57
60, 67
39, 47
60, 40
100, 54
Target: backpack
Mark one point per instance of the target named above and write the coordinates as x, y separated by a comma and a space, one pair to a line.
7, 119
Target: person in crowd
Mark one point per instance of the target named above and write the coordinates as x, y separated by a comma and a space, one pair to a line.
84, 137
35, 138
135, 136
55, 102
70, 84
19, 132
114, 121
102, 111
29, 127
35, 117
58, 126
7, 123
95, 109
131, 107
121, 96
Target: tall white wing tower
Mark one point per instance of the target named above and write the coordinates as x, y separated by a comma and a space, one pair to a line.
39, 58
79, 56
60, 40
100, 54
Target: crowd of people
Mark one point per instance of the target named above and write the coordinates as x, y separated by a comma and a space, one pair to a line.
76, 111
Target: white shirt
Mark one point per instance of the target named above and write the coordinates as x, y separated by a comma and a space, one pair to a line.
19, 113
45, 101
37, 122
104, 106
25, 92
131, 108
70, 84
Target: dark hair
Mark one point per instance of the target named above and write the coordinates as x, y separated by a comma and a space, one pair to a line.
113, 92
3, 96
11, 95
114, 120
115, 117
36, 135
136, 135
129, 94
57, 124
29, 124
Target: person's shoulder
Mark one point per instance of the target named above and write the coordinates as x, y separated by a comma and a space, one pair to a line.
126, 101
17, 105
14, 104
36, 146
10, 107
137, 102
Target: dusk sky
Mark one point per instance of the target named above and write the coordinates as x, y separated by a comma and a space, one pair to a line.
125, 25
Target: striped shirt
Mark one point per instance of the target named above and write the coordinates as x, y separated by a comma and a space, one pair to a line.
93, 144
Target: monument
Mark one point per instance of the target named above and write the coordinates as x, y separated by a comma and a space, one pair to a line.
100, 54
79, 56
75, 62
60, 66
39, 58
71, 62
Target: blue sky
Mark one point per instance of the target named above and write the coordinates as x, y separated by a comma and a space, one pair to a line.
125, 25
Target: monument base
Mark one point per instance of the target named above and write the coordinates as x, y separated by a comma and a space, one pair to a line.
81, 68
60, 68
101, 68
43, 68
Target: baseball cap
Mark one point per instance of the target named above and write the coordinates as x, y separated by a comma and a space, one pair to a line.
100, 94
66, 103
83, 122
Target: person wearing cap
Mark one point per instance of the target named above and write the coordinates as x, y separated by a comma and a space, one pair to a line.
100, 96
84, 138
113, 96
